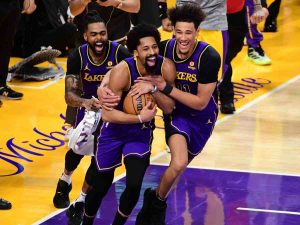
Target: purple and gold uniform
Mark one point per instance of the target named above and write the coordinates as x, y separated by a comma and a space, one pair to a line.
91, 74
127, 139
195, 125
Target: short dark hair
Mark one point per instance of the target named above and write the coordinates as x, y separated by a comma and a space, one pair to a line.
141, 31
92, 17
189, 12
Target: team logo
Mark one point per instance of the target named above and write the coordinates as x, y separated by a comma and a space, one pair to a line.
109, 64
86, 67
192, 65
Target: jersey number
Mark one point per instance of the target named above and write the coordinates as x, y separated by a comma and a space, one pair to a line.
183, 87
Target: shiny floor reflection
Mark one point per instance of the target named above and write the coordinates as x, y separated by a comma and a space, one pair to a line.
214, 197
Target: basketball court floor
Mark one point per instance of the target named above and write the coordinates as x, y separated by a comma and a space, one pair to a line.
248, 173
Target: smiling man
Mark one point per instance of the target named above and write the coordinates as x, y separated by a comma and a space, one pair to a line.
191, 123
86, 67
126, 134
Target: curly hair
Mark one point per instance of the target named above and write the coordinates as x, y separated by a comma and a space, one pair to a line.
141, 31
190, 12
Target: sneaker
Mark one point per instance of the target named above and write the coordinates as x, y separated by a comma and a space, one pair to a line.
4, 204
61, 197
258, 56
7, 92
158, 210
270, 26
75, 213
143, 217
227, 108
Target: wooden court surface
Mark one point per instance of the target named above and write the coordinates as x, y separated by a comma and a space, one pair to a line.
262, 136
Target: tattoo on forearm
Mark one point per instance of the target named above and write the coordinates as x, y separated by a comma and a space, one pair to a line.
72, 91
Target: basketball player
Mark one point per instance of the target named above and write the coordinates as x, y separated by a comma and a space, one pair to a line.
127, 134
116, 15
192, 121
86, 68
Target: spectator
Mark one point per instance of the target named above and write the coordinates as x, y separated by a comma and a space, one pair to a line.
10, 12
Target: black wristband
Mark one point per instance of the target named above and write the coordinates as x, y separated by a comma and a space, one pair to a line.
168, 89
162, 7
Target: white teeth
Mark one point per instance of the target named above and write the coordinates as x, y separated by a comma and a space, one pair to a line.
184, 43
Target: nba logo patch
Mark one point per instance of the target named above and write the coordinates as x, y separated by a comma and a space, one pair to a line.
192, 65
109, 64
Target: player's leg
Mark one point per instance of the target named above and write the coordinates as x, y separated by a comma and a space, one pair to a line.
64, 185
154, 206
271, 21
101, 184
179, 162
75, 211
9, 19
254, 38
135, 171
237, 29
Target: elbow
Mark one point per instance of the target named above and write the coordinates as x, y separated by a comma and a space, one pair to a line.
168, 110
201, 106
137, 7
105, 117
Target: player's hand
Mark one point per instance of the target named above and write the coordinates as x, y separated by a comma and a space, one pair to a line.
166, 25
92, 104
259, 15
156, 80
140, 88
148, 113
29, 7
107, 98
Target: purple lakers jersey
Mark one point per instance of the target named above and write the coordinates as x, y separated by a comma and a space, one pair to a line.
188, 75
125, 130
91, 73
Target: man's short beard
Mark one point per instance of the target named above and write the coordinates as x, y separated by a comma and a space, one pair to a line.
151, 69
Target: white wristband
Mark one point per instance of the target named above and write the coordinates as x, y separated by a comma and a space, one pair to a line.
140, 118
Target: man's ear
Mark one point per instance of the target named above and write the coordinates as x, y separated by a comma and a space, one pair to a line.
135, 53
85, 36
197, 31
